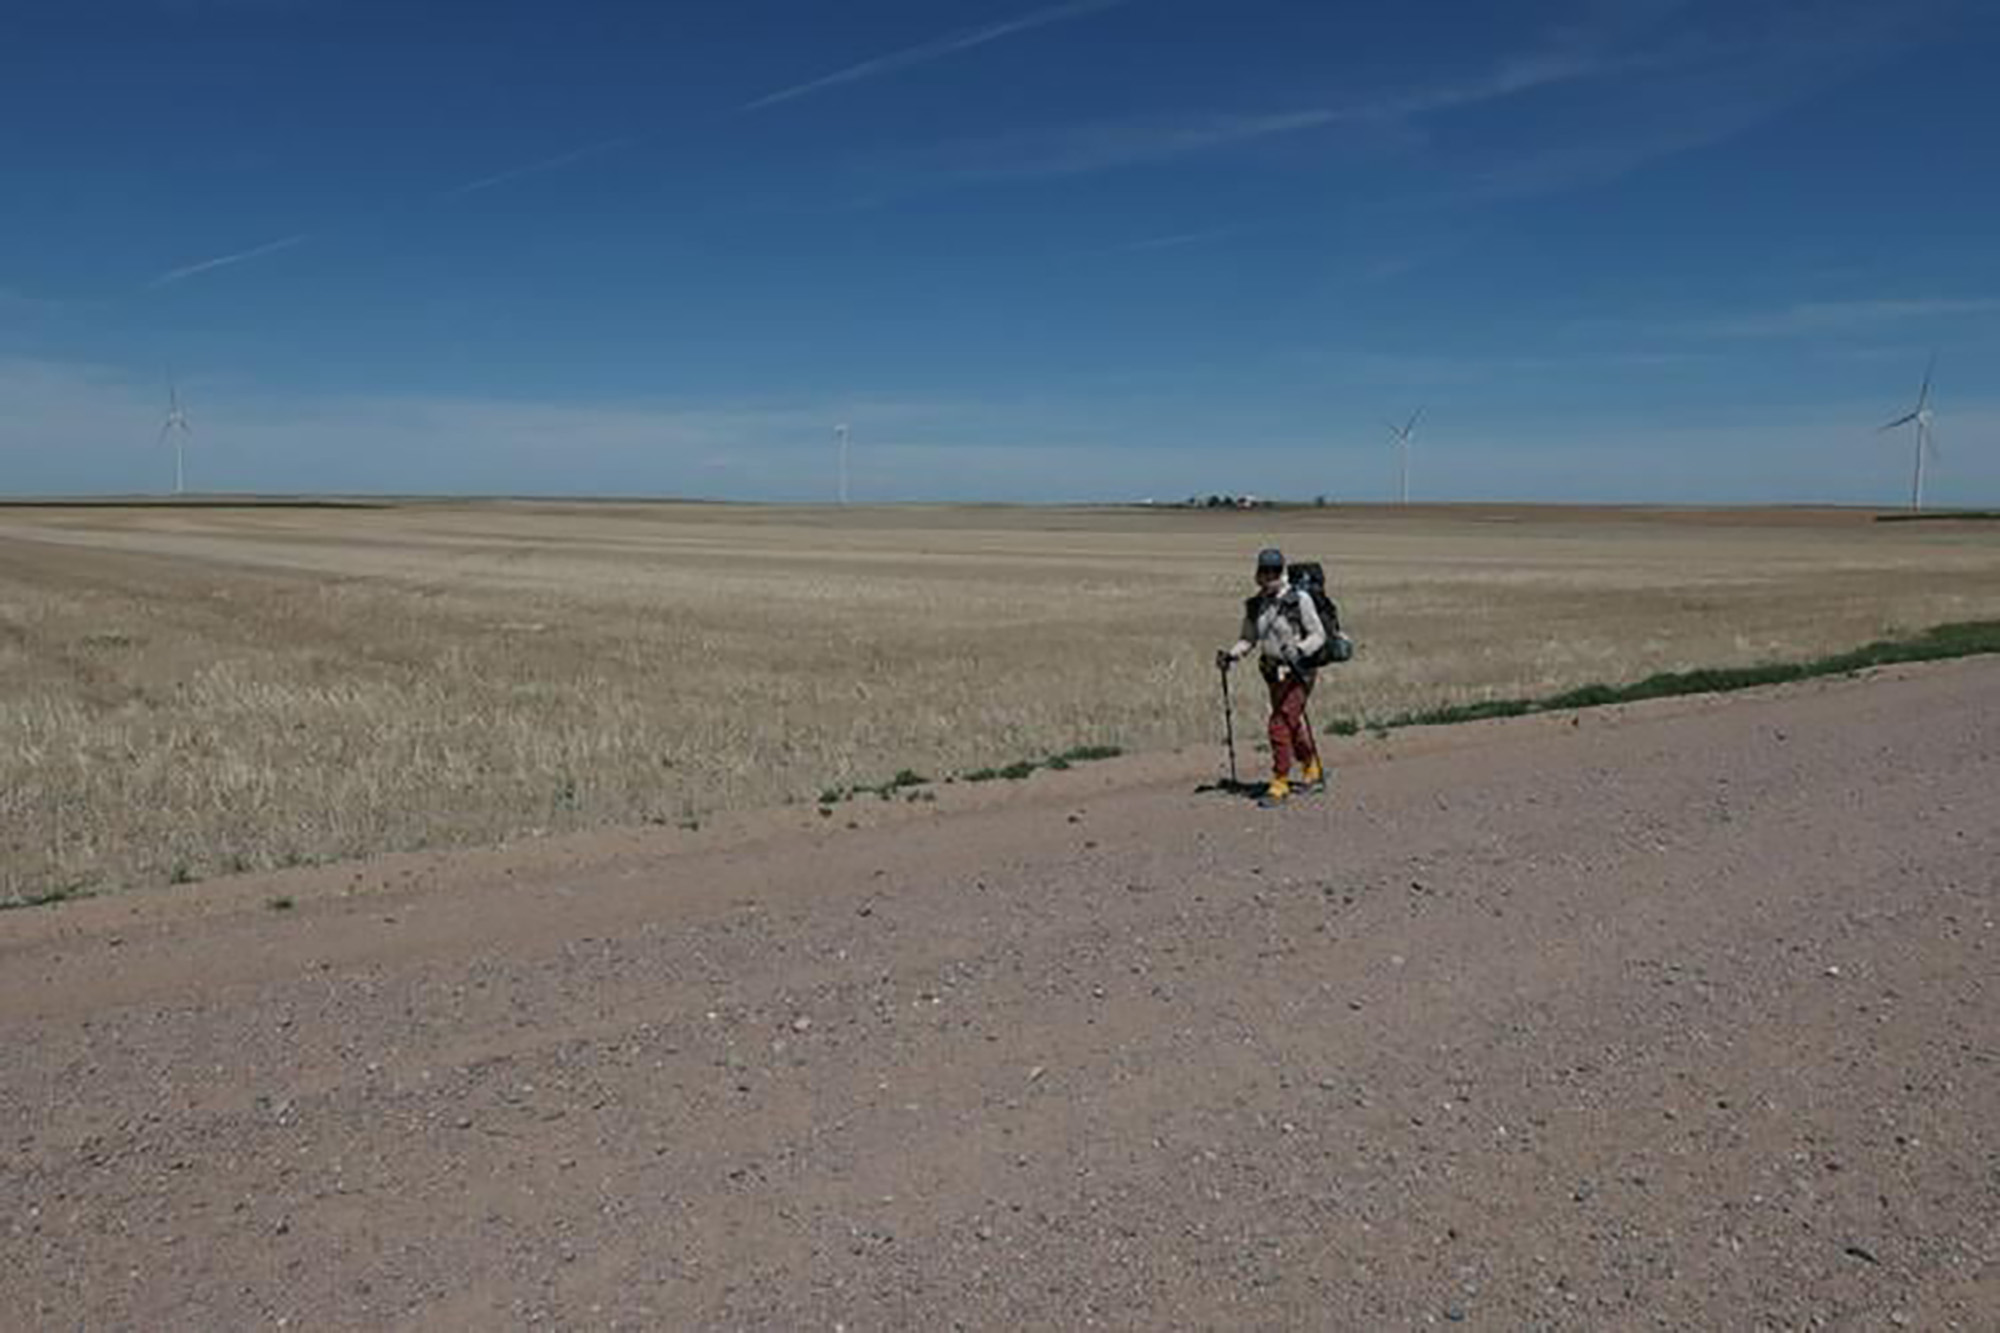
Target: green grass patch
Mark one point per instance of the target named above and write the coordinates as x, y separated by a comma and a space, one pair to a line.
1087, 754
62, 893
886, 791
1963, 639
1943, 516
1022, 769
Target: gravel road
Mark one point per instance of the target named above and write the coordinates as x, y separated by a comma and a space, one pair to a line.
1679, 1016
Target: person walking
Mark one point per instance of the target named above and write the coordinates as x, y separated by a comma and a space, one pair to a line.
1281, 625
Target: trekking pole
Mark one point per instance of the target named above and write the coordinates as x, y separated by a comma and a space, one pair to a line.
1229, 728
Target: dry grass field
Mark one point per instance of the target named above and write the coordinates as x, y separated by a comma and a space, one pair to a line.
189, 691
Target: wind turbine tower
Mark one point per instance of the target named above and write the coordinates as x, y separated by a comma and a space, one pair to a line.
1404, 436
840, 434
1926, 444
177, 426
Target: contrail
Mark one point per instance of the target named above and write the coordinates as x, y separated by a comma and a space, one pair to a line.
935, 50
546, 164
867, 69
908, 58
1174, 242
173, 276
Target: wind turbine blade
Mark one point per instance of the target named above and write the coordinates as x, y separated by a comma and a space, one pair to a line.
1415, 417
165, 431
1899, 421
1924, 395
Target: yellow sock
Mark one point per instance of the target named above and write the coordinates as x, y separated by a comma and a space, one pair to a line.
1279, 789
1312, 772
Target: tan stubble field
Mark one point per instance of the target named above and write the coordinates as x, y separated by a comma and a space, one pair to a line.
186, 692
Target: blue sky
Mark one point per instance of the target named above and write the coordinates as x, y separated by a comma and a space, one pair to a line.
1622, 250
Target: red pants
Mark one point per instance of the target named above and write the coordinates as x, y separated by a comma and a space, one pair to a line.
1289, 734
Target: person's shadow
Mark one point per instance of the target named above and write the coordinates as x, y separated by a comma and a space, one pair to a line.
1249, 791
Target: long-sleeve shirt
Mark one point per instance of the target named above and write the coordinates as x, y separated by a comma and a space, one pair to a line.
1283, 623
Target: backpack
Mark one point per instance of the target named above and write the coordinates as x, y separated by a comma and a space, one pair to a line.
1309, 580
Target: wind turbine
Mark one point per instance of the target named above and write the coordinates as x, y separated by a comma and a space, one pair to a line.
1925, 445
1404, 434
177, 426
840, 433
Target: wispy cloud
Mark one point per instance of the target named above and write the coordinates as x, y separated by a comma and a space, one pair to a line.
1566, 63
20, 301
182, 274
910, 57
555, 163
1431, 372
1175, 241
921, 54
1818, 317
1712, 75
1831, 321
1666, 76
926, 52
1105, 146
71, 429
1088, 149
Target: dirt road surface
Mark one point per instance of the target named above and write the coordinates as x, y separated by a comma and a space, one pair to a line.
1681, 1016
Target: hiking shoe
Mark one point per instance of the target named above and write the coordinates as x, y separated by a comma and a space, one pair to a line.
1275, 794
1313, 779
